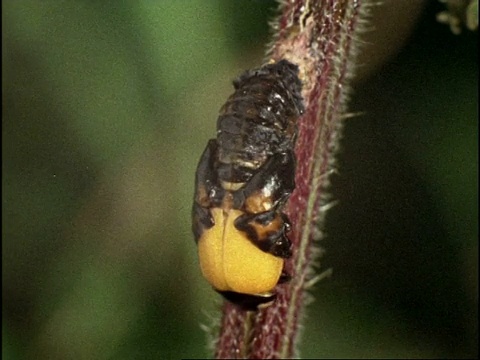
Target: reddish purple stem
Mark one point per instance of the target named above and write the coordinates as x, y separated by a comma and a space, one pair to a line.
319, 37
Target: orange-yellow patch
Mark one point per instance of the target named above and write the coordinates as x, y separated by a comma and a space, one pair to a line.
229, 260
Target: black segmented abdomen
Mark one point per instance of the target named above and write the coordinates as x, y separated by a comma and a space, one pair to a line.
258, 119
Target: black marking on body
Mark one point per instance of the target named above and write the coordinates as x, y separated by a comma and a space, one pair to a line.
250, 166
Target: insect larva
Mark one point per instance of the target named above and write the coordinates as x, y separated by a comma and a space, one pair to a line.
243, 180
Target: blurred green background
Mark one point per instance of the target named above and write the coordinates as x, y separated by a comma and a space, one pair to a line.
107, 107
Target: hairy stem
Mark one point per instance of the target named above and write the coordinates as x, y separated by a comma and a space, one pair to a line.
321, 38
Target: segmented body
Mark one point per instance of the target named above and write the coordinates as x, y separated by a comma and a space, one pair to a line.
258, 120
243, 179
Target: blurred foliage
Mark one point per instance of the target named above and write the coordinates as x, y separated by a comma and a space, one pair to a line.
459, 14
107, 107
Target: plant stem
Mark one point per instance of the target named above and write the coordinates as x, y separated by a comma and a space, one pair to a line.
321, 38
